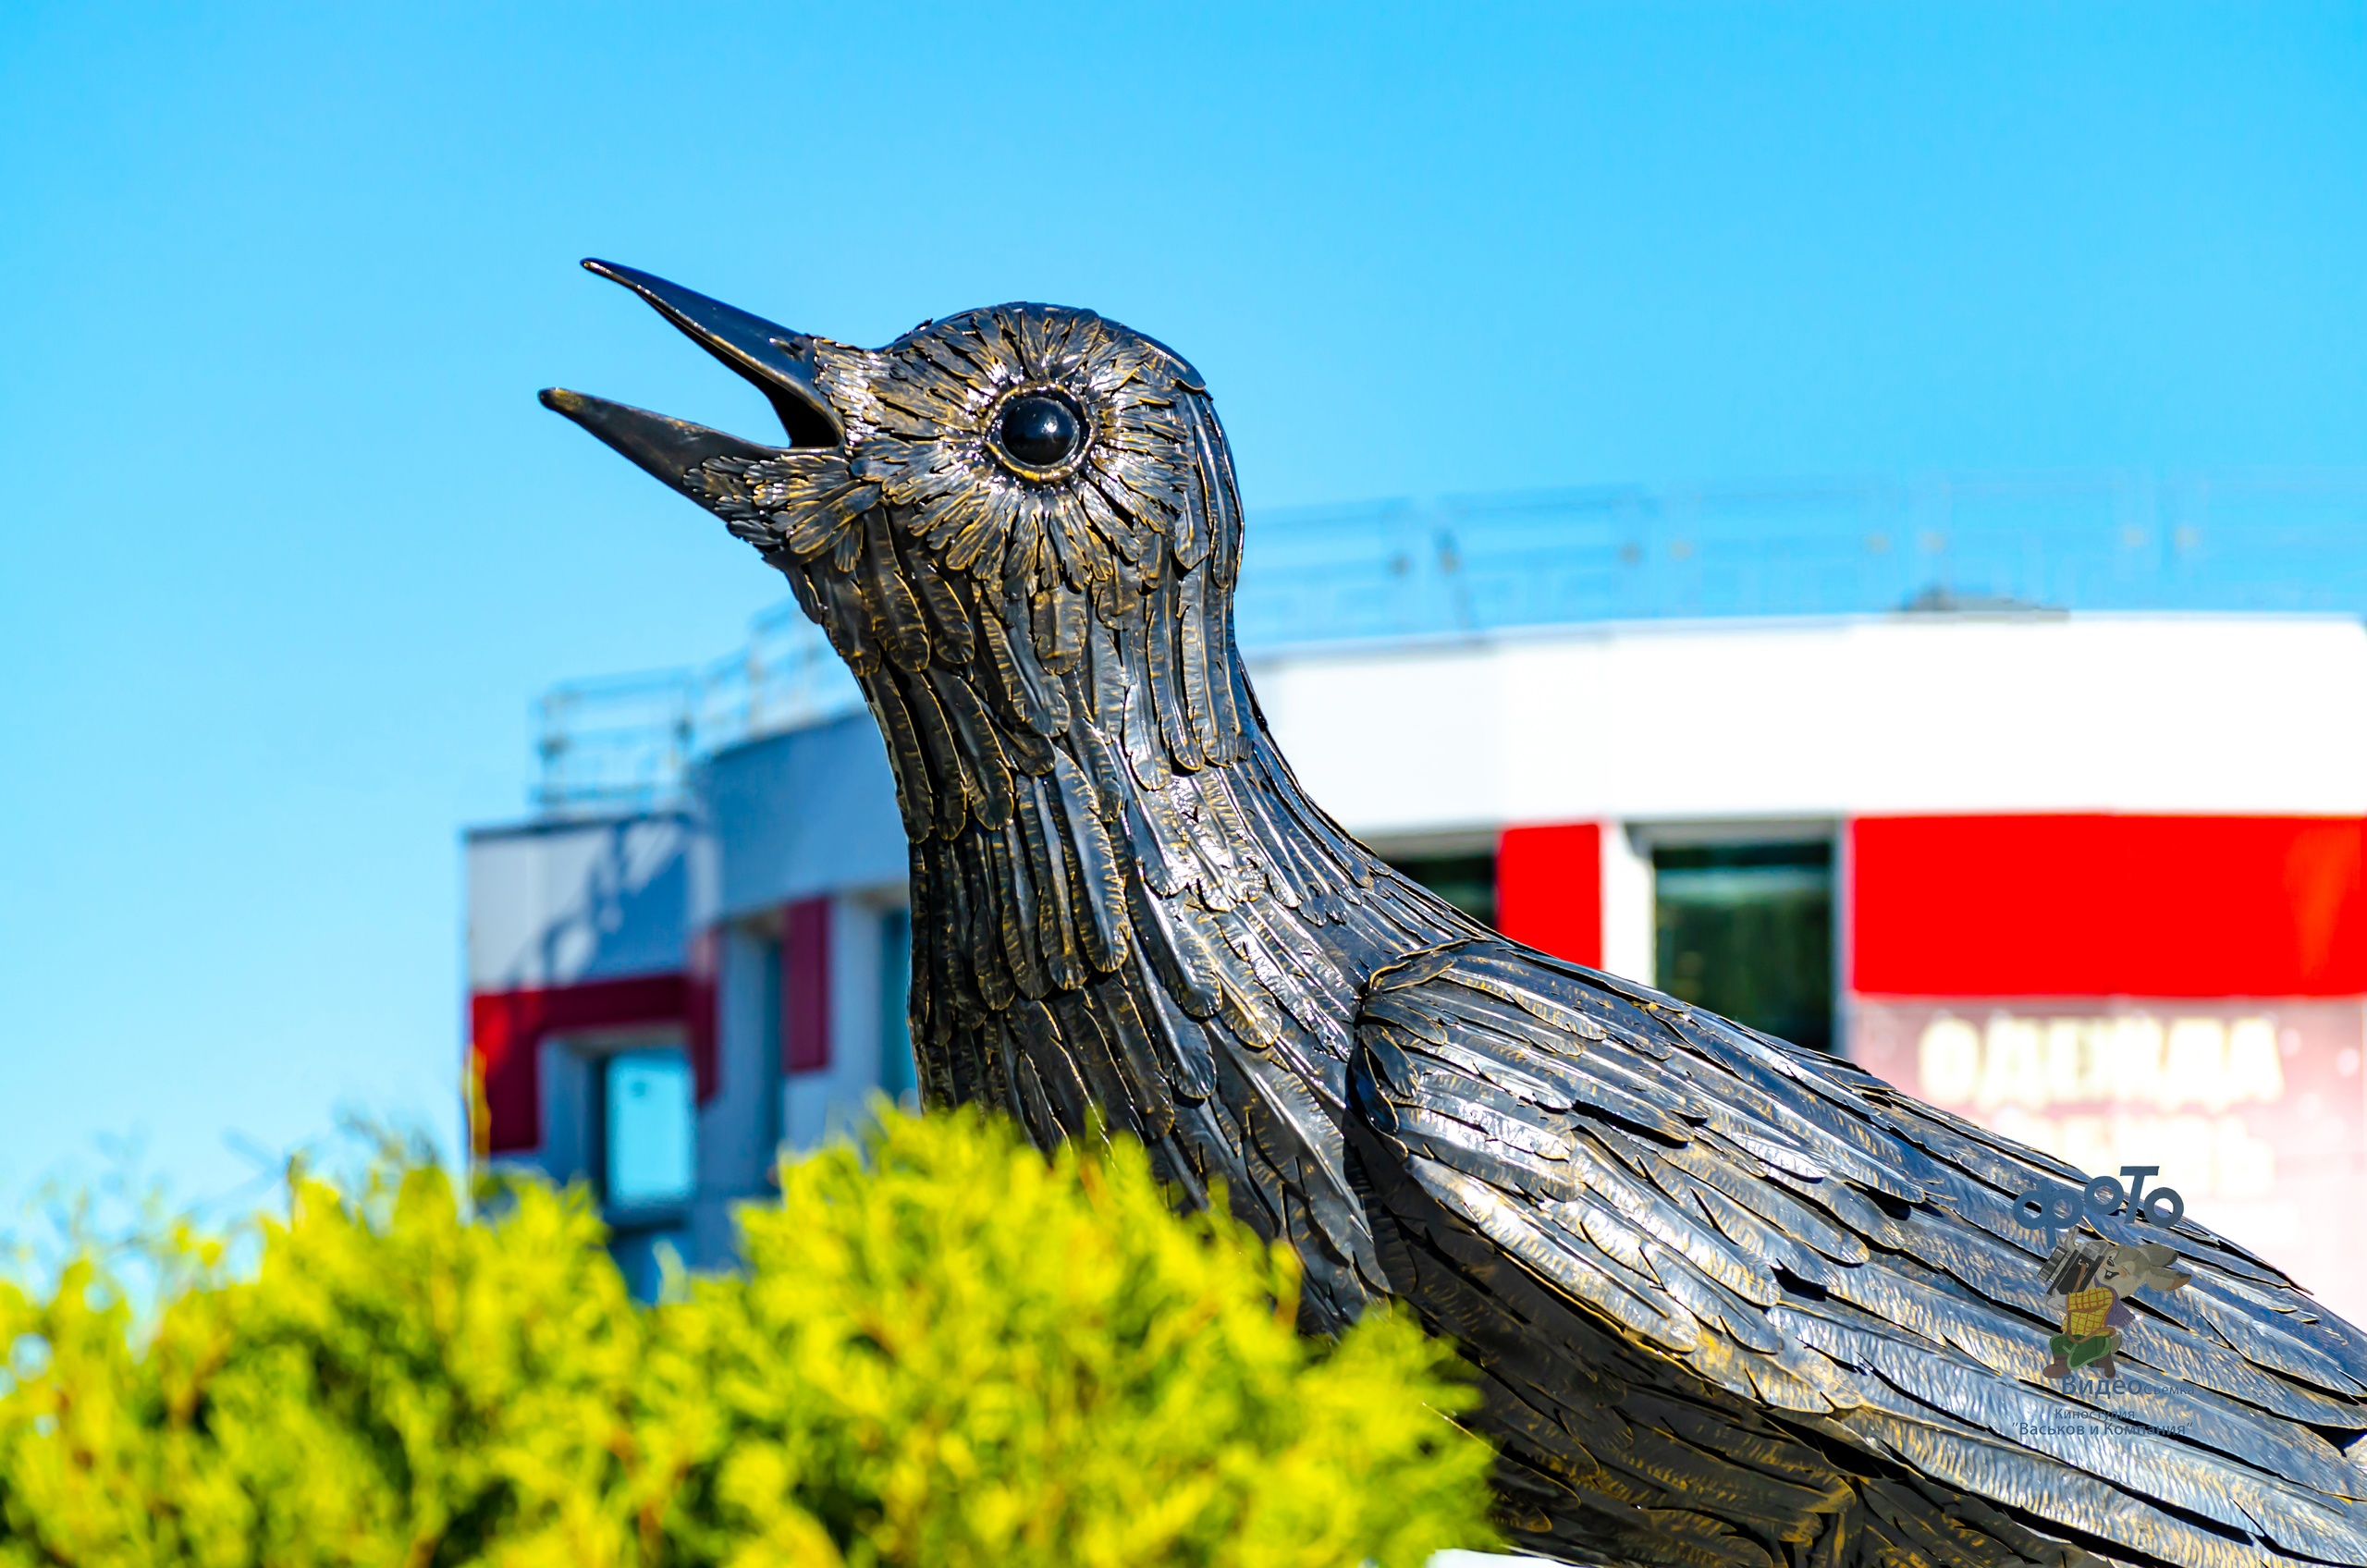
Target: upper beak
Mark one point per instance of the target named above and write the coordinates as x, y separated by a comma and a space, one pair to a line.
779, 362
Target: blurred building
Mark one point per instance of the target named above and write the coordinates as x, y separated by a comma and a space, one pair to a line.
2042, 798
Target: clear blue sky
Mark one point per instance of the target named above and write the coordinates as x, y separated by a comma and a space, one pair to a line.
286, 545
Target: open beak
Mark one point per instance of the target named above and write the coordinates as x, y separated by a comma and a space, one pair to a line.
777, 362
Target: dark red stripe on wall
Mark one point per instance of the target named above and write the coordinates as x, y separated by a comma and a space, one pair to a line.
507, 1030
2103, 905
805, 986
1549, 889
699, 1037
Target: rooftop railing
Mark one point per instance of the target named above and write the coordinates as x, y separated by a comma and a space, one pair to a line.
626, 742
2228, 541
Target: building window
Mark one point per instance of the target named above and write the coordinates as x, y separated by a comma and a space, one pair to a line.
1469, 882
649, 1128
899, 1079
1746, 930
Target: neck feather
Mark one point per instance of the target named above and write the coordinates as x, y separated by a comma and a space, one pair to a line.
1127, 915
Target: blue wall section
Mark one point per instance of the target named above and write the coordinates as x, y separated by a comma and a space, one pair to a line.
810, 812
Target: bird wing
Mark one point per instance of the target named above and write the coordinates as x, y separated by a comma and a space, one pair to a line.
1837, 1262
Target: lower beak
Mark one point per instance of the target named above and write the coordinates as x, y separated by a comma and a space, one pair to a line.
670, 450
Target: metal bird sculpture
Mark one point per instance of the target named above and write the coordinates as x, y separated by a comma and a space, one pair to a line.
1733, 1303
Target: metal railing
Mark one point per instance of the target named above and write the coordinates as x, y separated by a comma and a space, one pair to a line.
2228, 541
626, 742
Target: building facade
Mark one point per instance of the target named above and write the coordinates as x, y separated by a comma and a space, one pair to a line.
2091, 875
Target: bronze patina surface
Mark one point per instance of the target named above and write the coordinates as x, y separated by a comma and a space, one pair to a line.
1733, 1302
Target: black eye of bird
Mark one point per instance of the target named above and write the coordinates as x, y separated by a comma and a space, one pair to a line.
1039, 430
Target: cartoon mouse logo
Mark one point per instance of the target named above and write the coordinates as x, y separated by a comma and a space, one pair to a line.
2094, 1278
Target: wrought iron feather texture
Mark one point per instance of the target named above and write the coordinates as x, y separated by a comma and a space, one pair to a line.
1733, 1304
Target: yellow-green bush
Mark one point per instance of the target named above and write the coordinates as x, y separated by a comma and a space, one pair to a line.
944, 1350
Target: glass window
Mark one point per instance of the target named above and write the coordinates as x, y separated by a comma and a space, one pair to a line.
649, 1128
1469, 882
899, 1080
1746, 930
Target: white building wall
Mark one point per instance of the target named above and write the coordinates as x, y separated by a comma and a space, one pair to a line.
557, 904
1742, 720
1627, 938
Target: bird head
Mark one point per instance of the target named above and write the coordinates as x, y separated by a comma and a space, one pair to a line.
1016, 448
1030, 487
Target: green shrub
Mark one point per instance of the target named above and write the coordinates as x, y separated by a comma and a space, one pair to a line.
944, 1350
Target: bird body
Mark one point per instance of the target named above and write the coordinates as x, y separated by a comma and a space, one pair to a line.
1731, 1301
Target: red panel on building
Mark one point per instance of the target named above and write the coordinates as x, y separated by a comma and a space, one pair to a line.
805, 986
1549, 889
507, 1030
698, 1014
2104, 905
